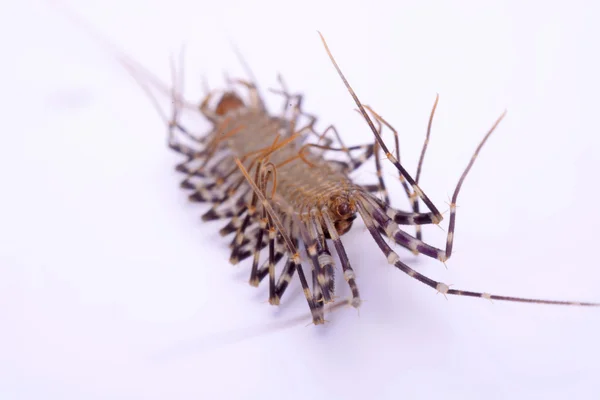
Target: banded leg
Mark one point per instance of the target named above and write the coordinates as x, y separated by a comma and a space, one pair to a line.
291, 247
318, 273
415, 244
379, 139
349, 275
256, 256
441, 287
285, 277
216, 212
270, 264
265, 225
326, 262
263, 271
437, 216
238, 240
411, 196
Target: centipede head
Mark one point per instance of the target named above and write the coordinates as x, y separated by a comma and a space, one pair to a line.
343, 210
230, 101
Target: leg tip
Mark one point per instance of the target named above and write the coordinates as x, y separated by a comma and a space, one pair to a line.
356, 302
274, 301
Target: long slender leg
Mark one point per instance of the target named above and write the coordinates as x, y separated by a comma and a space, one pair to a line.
285, 278
347, 167
381, 188
292, 249
379, 139
233, 225
415, 201
263, 222
411, 196
261, 178
240, 234
326, 262
310, 244
384, 215
265, 225
273, 260
248, 245
349, 275
216, 212
279, 251
441, 287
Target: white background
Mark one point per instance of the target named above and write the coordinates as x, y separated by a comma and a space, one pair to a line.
111, 287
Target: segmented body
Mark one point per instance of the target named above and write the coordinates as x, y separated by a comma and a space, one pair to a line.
309, 196
277, 189
299, 183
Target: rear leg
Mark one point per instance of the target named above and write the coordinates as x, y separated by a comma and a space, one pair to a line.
394, 259
386, 217
413, 198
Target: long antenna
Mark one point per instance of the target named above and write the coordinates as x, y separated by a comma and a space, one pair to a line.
378, 137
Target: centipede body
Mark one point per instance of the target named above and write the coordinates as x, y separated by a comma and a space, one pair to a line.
270, 178
287, 193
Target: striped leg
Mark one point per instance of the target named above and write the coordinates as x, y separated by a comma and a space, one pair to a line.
318, 273
402, 171
286, 277
273, 260
263, 222
412, 196
316, 313
441, 287
383, 214
326, 263
349, 275
265, 269
216, 212
265, 225
238, 240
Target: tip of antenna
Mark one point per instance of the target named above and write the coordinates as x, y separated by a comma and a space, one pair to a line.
501, 117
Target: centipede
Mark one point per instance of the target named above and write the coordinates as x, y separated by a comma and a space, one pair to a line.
285, 202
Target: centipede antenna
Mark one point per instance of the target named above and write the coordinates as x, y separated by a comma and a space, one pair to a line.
378, 137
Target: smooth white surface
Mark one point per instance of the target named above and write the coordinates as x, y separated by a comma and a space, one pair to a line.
112, 288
